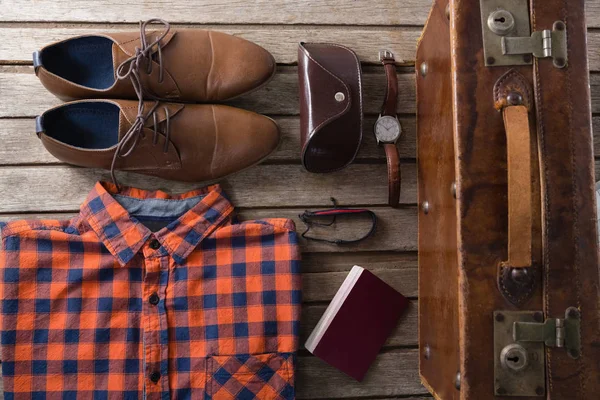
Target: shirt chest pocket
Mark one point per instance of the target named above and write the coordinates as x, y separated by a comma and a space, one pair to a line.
262, 376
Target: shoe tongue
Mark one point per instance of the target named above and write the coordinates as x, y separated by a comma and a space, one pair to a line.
124, 124
125, 44
129, 113
119, 56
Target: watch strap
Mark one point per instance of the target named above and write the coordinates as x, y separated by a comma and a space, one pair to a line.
394, 174
391, 92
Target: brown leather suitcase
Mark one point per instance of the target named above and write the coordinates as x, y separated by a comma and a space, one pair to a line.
508, 253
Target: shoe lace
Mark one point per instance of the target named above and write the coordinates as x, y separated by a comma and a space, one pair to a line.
132, 68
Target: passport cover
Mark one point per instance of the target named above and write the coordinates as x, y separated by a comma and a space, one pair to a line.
361, 326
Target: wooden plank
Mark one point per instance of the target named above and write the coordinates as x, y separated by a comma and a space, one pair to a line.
323, 286
357, 12
394, 373
597, 170
388, 240
405, 333
323, 273
22, 94
21, 146
282, 41
396, 231
343, 262
593, 42
596, 133
320, 284
20, 40
25, 189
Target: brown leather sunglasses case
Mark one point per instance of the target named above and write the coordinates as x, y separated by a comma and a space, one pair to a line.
331, 102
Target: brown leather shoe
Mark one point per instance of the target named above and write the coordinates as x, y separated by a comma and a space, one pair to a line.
185, 142
190, 65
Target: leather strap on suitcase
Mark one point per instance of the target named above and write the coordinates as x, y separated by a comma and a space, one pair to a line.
562, 97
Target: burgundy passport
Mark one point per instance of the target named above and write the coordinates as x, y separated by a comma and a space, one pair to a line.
357, 323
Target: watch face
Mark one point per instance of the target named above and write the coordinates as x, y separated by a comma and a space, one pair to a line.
387, 129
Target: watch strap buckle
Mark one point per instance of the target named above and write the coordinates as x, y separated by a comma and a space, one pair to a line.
386, 55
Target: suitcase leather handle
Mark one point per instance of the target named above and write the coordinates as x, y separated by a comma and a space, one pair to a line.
517, 274
513, 97
520, 187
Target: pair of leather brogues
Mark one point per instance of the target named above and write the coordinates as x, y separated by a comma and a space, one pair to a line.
160, 133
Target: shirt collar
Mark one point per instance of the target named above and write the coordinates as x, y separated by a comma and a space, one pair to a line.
123, 235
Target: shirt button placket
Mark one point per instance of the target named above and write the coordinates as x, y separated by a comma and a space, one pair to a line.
155, 376
156, 353
154, 299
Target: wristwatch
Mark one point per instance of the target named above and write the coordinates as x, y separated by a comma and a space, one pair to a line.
388, 128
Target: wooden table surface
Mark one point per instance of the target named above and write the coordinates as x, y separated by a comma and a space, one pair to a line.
34, 184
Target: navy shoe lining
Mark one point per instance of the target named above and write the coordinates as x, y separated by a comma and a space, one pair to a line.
86, 61
88, 125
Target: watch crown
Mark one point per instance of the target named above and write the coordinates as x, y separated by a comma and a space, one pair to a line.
385, 55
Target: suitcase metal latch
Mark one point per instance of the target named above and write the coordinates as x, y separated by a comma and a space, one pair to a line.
519, 340
507, 38
542, 44
554, 332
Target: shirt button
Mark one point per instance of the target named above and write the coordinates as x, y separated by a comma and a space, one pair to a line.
154, 299
155, 376
154, 244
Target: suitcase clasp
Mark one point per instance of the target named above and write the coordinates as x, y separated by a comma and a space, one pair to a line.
520, 338
542, 44
554, 332
507, 37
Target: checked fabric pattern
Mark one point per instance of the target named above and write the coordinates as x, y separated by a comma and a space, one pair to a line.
264, 376
146, 295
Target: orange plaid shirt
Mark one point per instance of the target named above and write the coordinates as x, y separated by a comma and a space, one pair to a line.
147, 295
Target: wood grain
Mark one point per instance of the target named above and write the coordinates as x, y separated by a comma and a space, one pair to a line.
20, 40
323, 273
22, 94
323, 286
26, 188
396, 231
21, 146
405, 333
393, 373
356, 12
380, 251
338, 262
